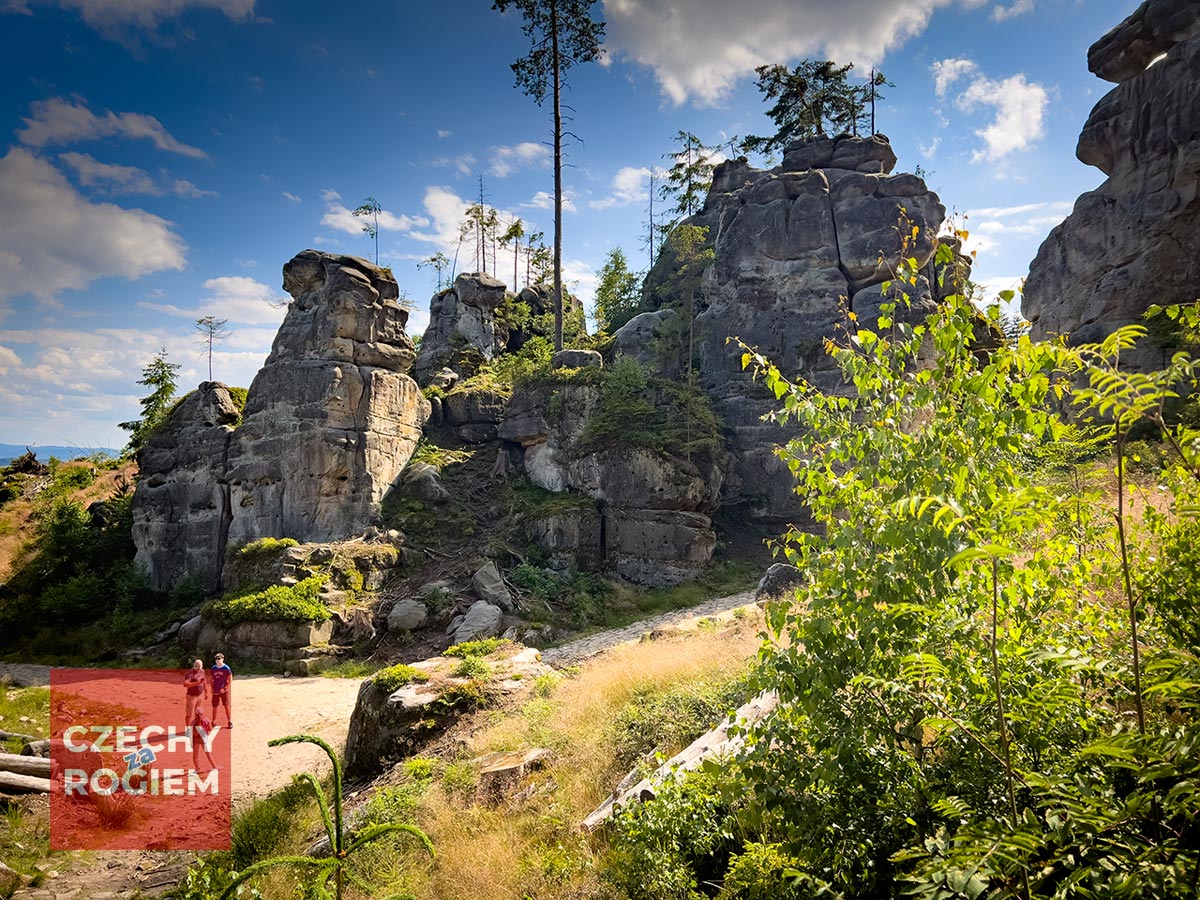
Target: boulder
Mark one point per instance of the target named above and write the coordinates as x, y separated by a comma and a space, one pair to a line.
481, 621
489, 585
779, 583
576, 359
1135, 240
443, 379
658, 547
462, 327
422, 481
407, 615
636, 338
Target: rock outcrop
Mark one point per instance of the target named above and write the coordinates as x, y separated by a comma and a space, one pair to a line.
649, 516
478, 318
329, 423
1135, 240
795, 247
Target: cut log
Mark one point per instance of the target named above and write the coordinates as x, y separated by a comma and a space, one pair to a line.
715, 743
12, 783
36, 748
24, 765
501, 774
15, 736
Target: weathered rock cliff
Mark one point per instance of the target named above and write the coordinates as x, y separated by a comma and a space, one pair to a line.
795, 247
1135, 240
329, 423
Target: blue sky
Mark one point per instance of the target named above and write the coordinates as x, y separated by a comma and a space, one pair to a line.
162, 159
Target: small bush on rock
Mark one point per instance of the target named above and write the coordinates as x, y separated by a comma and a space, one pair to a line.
280, 603
398, 676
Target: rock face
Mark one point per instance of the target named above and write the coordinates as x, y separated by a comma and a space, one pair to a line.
1135, 240
181, 510
468, 323
329, 423
649, 521
795, 247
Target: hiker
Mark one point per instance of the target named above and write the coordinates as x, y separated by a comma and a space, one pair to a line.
222, 682
196, 687
200, 722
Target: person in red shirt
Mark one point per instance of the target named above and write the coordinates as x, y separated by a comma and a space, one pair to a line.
222, 684
195, 687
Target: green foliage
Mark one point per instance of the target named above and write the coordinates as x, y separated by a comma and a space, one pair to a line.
157, 405
962, 707
334, 868
667, 721
690, 175
479, 648
618, 292
762, 872
472, 667
397, 676
267, 546
263, 827
298, 602
814, 96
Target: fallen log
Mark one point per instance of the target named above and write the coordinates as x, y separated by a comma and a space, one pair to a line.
36, 748
24, 765
12, 783
715, 743
15, 736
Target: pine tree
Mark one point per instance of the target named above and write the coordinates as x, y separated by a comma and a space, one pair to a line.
563, 34
370, 209
690, 175
618, 297
159, 375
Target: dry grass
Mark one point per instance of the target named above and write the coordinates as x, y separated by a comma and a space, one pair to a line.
535, 849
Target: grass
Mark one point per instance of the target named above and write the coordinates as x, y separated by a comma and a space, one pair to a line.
479, 648
352, 668
32, 703
25, 837
536, 849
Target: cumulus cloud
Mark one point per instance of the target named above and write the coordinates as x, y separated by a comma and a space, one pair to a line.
341, 218
8, 359
235, 298
112, 18
1019, 106
59, 121
1024, 223
698, 49
53, 239
506, 160
113, 179
1001, 13
288, 195
462, 164
630, 185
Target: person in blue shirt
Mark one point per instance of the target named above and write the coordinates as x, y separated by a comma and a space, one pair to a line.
222, 683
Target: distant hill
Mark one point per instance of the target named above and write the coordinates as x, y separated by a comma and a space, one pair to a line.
9, 452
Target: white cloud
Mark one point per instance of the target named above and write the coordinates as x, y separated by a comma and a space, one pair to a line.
1019, 106
947, 71
581, 280
108, 177
8, 359
1016, 8
463, 164
700, 48
235, 298
506, 160
60, 121
630, 185
53, 239
288, 195
443, 133
187, 189
110, 17
1001, 212
341, 218
545, 200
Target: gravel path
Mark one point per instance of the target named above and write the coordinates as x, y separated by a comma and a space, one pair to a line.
574, 652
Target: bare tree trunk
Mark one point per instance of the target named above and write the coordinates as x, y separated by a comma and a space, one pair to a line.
558, 191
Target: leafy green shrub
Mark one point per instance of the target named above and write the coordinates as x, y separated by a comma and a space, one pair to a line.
472, 667
266, 546
263, 827
762, 872
482, 647
397, 676
279, 603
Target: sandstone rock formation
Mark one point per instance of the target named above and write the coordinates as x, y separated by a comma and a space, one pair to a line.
650, 518
1135, 240
478, 318
329, 423
795, 248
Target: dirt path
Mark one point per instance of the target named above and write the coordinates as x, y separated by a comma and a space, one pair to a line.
574, 652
